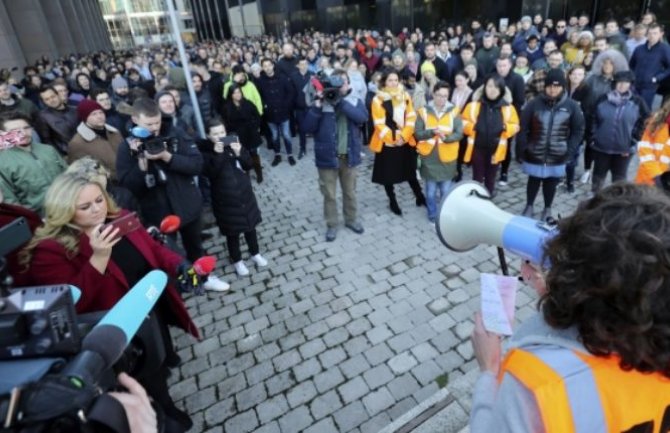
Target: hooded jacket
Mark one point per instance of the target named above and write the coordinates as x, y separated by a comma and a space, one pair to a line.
618, 123
249, 91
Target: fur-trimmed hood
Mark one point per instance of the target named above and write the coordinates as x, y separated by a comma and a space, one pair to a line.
89, 134
477, 94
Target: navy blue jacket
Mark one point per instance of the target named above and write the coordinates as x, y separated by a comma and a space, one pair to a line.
277, 95
324, 127
648, 63
616, 129
299, 82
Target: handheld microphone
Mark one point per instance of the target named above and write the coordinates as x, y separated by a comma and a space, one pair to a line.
104, 345
204, 265
170, 224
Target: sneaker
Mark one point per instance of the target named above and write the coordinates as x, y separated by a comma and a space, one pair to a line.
276, 161
241, 269
214, 284
503, 180
291, 160
355, 227
301, 154
586, 177
259, 260
331, 234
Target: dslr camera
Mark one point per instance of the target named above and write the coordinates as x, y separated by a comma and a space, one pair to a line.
328, 85
153, 146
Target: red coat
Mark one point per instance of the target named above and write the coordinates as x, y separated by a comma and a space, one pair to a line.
51, 265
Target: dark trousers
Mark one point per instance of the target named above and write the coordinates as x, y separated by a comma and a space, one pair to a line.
647, 94
462, 147
233, 242
190, 237
300, 118
604, 163
508, 158
482, 169
548, 184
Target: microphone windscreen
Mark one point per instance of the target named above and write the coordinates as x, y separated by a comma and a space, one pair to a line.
170, 224
108, 341
204, 265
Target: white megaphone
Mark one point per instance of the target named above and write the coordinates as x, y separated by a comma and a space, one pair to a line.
468, 218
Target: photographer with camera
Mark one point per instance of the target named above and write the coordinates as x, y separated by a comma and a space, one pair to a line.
335, 118
77, 245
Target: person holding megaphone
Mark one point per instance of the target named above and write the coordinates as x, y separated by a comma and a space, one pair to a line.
595, 357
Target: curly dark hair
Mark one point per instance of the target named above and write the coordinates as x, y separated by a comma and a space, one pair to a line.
610, 276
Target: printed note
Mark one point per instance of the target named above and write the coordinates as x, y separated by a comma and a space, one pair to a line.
498, 297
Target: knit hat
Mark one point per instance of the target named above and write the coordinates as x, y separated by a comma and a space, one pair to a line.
526, 18
628, 76
470, 62
555, 77
119, 82
86, 107
427, 67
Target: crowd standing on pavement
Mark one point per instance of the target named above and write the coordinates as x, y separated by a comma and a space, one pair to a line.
429, 103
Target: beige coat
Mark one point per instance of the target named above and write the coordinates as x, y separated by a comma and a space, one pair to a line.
87, 142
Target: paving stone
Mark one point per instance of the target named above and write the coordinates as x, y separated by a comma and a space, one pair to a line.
402, 363
353, 389
357, 345
272, 427
250, 397
424, 352
259, 372
332, 357
328, 379
286, 360
296, 420
231, 385
279, 383
350, 416
272, 409
307, 369
325, 404
336, 336
439, 306
378, 334
242, 423
376, 423
427, 372
378, 354
200, 400
312, 348
352, 367
324, 426
378, 376
301, 394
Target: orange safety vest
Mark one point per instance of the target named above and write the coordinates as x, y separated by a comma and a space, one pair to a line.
510, 121
654, 153
382, 134
581, 393
447, 152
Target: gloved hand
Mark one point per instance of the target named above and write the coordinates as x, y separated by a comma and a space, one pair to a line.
188, 279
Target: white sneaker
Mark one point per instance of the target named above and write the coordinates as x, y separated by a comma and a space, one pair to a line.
214, 284
241, 269
259, 260
585, 177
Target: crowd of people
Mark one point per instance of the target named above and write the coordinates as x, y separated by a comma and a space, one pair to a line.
87, 139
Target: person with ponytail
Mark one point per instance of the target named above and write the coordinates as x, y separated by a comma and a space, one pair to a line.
654, 148
393, 141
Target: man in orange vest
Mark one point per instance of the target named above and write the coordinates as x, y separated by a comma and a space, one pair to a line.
595, 358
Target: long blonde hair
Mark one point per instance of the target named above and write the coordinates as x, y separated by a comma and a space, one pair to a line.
59, 207
658, 118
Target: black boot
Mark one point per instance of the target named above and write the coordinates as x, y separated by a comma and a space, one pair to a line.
258, 169
418, 194
393, 203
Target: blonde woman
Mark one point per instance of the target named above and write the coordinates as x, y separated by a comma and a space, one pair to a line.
393, 141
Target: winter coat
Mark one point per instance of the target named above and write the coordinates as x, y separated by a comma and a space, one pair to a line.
550, 130
514, 82
277, 95
25, 176
205, 103
287, 65
618, 123
243, 121
486, 59
648, 63
179, 195
583, 95
53, 264
61, 126
249, 91
599, 85
27, 108
299, 82
323, 124
87, 142
233, 200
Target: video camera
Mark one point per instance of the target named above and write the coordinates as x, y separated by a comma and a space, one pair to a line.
153, 146
326, 87
55, 365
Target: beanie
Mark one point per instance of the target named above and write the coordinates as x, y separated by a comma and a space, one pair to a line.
555, 77
119, 82
628, 76
86, 107
427, 66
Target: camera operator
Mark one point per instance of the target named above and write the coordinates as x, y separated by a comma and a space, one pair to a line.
335, 118
136, 404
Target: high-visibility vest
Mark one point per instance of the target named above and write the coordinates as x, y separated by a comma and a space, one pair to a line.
510, 121
447, 152
382, 134
581, 393
654, 153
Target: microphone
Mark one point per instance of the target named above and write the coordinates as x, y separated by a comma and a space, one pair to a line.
104, 345
170, 224
204, 265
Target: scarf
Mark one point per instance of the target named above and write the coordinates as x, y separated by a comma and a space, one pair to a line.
460, 97
397, 97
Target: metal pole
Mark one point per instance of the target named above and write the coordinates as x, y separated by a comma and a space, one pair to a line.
244, 25
185, 65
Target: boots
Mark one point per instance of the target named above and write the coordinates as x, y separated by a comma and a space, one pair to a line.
393, 203
418, 194
528, 211
546, 213
258, 169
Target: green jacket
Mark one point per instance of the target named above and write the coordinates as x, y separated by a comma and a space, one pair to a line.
26, 176
249, 91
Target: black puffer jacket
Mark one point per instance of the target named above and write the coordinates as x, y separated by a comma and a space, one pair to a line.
278, 96
233, 200
551, 130
61, 125
243, 121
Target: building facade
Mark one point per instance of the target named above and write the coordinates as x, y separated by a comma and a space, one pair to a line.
30, 29
144, 22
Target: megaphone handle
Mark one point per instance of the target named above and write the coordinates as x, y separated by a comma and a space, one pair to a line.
503, 262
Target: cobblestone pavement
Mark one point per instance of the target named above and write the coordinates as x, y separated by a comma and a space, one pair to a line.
343, 336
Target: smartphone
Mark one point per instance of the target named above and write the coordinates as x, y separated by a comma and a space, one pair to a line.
230, 139
125, 224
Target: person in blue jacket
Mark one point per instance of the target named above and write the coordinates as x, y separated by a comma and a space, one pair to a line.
651, 64
336, 126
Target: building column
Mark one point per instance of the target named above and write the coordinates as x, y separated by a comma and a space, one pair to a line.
11, 54
31, 29
60, 33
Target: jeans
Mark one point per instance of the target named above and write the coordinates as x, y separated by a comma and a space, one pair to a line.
328, 184
605, 162
285, 132
431, 195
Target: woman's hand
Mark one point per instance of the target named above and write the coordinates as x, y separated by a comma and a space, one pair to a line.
236, 147
102, 244
486, 346
534, 277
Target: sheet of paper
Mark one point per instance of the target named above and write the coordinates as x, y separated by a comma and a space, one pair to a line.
498, 298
